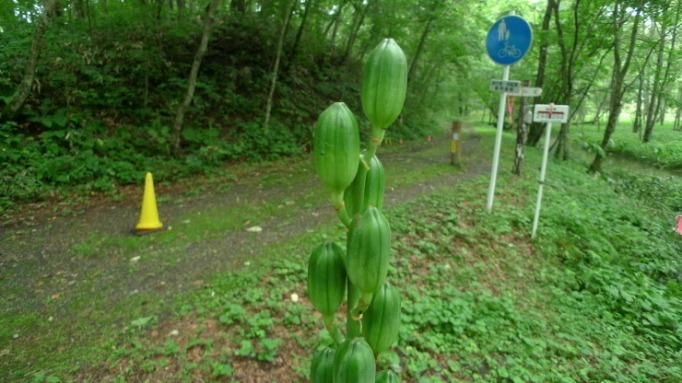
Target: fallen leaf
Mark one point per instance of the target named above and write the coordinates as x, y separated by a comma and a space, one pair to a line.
139, 322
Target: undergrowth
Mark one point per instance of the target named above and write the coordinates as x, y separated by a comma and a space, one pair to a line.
595, 299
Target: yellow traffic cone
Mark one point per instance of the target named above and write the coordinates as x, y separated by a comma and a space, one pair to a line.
149, 215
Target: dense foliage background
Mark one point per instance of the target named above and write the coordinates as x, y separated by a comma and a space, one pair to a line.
111, 75
93, 93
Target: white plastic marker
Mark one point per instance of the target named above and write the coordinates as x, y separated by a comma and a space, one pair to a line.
546, 113
508, 40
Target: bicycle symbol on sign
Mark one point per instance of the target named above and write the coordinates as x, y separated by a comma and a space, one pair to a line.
509, 50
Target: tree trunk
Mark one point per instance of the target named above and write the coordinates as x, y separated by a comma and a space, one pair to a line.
79, 9
535, 130
358, 20
24, 89
521, 134
651, 112
297, 40
566, 69
660, 104
420, 49
620, 69
275, 70
637, 123
678, 111
196, 64
180, 6
335, 21
238, 6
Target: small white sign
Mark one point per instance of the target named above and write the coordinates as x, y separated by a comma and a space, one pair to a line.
511, 86
550, 113
526, 91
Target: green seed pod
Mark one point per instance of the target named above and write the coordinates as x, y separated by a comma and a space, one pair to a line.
375, 183
326, 278
322, 367
337, 147
366, 192
368, 250
354, 362
353, 195
387, 376
381, 321
385, 84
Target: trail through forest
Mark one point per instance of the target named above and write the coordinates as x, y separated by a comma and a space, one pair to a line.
45, 273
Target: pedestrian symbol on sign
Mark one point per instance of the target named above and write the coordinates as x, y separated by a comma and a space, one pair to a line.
508, 40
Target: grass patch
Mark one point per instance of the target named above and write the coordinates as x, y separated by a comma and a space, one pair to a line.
663, 151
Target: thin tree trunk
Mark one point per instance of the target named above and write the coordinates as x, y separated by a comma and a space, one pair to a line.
297, 40
273, 82
196, 64
180, 6
24, 89
620, 69
358, 20
566, 68
666, 75
678, 111
335, 21
420, 49
651, 112
79, 9
637, 123
521, 134
535, 130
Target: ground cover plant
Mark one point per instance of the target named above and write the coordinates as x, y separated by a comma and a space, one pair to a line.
595, 298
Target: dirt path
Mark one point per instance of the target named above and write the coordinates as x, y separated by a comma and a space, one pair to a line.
41, 274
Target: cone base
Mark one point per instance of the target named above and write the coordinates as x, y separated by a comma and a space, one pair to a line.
137, 231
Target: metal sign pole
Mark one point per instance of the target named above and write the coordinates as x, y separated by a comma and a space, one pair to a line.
498, 141
543, 169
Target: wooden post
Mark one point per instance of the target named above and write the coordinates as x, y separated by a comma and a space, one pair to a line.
455, 146
522, 132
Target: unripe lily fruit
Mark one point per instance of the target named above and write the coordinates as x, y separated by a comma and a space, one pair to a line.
385, 84
354, 362
381, 321
362, 194
326, 278
387, 376
336, 147
368, 250
322, 367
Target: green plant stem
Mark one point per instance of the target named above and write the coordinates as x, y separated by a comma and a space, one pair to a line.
340, 207
333, 329
353, 327
373, 144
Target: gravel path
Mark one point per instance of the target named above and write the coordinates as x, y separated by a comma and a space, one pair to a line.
41, 273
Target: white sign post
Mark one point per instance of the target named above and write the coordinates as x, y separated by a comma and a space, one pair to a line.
546, 113
508, 40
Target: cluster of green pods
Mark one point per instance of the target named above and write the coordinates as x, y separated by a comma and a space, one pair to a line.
357, 274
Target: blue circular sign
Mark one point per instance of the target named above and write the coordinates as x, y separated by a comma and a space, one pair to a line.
509, 40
